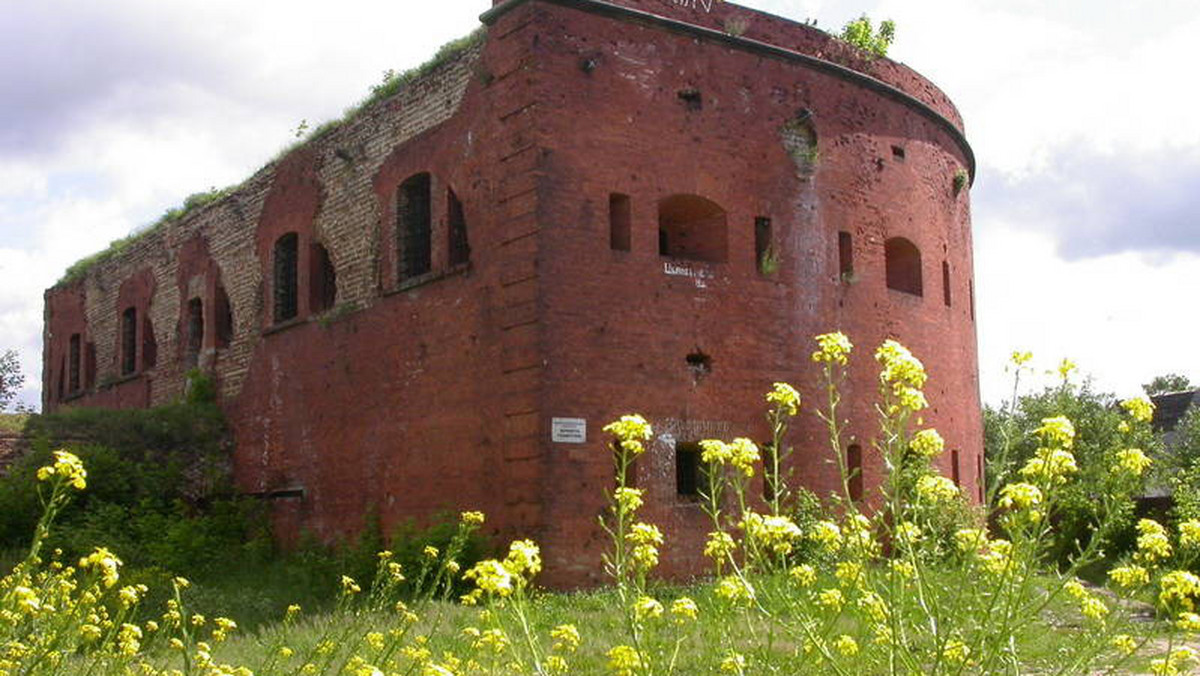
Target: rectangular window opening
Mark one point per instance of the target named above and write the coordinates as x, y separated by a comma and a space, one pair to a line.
854, 472
620, 225
845, 256
415, 220
690, 475
764, 249
946, 283
955, 472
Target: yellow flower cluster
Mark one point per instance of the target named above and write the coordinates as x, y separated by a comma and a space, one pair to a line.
684, 609
827, 534
68, 467
733, 663
1057, 431
927, 443
741, 453
735, 590
1140, 409
956, 652
785, 397
472, 518
903, 373
846, 645
623, 660
1129, 576
1170, 665
719, 545
935, 488
776, 533
833, 348
647, 608
804, 575
629, 500
1020, 496
970, 540
1020, 359
1050, 466
1132, 461
632, 431
1152, 542
103, 562
1189, 533
1179, 589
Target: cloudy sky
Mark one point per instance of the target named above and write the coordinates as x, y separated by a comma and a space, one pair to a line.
1082, 115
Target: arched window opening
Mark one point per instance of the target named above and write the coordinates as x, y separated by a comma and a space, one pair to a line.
76, 357
692, 228
322, 280
460, 246
414, 226
854, 472
946, 283
128, 341
285, 254
903, 266
195, 333
223, 316
620, 222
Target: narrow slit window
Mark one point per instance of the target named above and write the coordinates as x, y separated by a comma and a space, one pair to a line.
946, 283
460, 246
195, 332
619, 222
903, 266
979, 476
414, 217
75, 357
285, 277
690, 477
322, 279
971, 294
693, 228
764, 248
128, 341
955, 470
854, 472
845, 256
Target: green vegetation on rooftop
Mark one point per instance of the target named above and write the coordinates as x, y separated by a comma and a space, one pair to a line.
392, 84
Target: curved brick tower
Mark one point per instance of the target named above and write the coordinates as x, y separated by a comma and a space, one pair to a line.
596, 208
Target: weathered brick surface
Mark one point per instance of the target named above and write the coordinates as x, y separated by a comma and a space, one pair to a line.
439, 393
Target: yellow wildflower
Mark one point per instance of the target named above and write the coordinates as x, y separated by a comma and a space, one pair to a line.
646, 608
927, 443
734, 663
684, 608
1140, 409
1020, 496
833, 348
629, 500
832, 599
719, 545
524, 558
735, 590
644, 533
1132, 461
1189, 533
68, 466
1057, 430
623, 660
743, 454
846, 645
936, 488
804, 575
785, 397
1129, 576
956, 652
472, 518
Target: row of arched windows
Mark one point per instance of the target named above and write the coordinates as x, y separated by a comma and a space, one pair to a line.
414, 244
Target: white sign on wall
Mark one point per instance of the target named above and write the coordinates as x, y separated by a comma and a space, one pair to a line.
568, 430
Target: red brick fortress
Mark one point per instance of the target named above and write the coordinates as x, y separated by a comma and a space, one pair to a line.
597, 208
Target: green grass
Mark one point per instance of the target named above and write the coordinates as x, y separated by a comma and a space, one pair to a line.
13, 422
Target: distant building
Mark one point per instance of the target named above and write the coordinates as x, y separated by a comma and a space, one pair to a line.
596, 208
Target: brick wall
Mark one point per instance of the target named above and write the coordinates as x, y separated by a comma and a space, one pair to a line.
411, 396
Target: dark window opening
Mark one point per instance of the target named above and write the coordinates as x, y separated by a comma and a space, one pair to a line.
619, 222
223, 316
693, 228
460, 246
699, 364
979, 475
128, 341
89, 365
692, 99
954, 468
149, 344
285, 277
322, 279
75, 358
691, 476
898, 153
195, 332
946, 283
854, 472
903, 266
764, 249
415, 219
845, 256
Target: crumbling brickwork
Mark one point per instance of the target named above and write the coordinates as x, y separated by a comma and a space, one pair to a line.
601, 207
